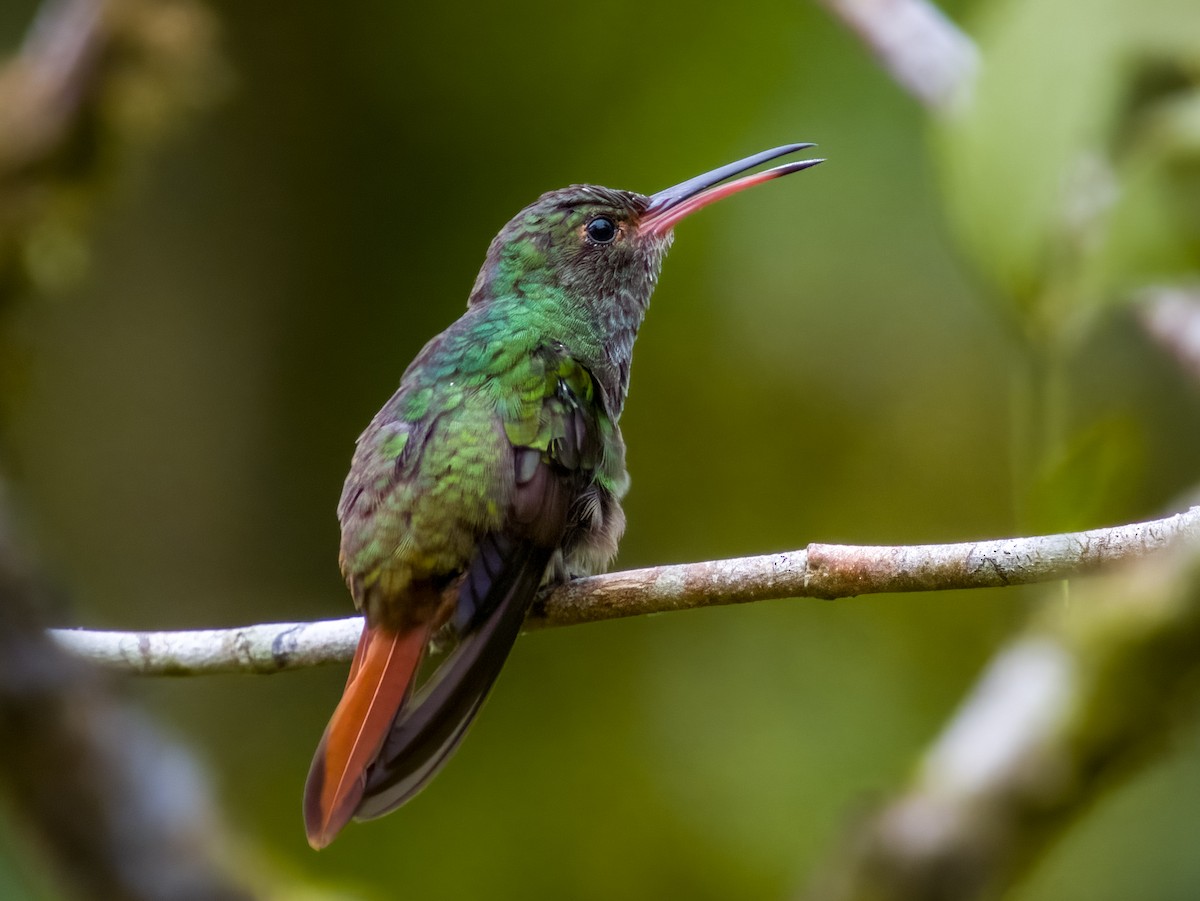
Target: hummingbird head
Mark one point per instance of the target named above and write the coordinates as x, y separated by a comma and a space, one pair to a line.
600, 246
579, 245
586, 258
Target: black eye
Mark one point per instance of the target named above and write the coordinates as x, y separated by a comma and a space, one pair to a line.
601, 230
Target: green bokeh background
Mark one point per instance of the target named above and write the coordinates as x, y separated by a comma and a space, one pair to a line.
834, 357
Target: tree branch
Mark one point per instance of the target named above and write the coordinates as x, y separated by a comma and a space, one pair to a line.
923, 51
93, 81
1171, 316
820, 571
1083, 697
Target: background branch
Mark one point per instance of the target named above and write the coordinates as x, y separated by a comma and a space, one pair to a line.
1077, 700
119, 812
1171, 316
95, 82
923, 51
112, 809
821, 571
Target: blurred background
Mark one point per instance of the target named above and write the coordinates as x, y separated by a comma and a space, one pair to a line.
932, 337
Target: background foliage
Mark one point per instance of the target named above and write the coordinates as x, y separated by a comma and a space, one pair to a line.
927, 339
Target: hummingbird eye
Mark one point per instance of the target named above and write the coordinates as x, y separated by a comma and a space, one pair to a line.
602, 230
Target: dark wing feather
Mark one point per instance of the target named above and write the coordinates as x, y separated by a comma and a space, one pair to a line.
428, 730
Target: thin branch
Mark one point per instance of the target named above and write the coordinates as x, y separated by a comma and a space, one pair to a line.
821, 571
265, 648
1171, 316
1083, 697
923, 51
94, 81
46, 87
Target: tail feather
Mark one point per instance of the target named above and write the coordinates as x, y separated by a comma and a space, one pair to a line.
430, 728
380, 676
385, 740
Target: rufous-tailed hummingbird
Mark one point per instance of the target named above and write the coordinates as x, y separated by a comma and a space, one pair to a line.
497, 466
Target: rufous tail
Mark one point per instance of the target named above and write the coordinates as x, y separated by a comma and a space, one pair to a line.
383, 668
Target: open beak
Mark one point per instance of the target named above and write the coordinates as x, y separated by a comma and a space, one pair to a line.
669, 206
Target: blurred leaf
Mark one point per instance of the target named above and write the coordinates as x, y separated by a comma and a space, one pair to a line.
1048, 178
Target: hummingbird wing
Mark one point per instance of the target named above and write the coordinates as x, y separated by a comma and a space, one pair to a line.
421, 544
556, 449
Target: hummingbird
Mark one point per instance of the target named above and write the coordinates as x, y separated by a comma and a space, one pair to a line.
496, 468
